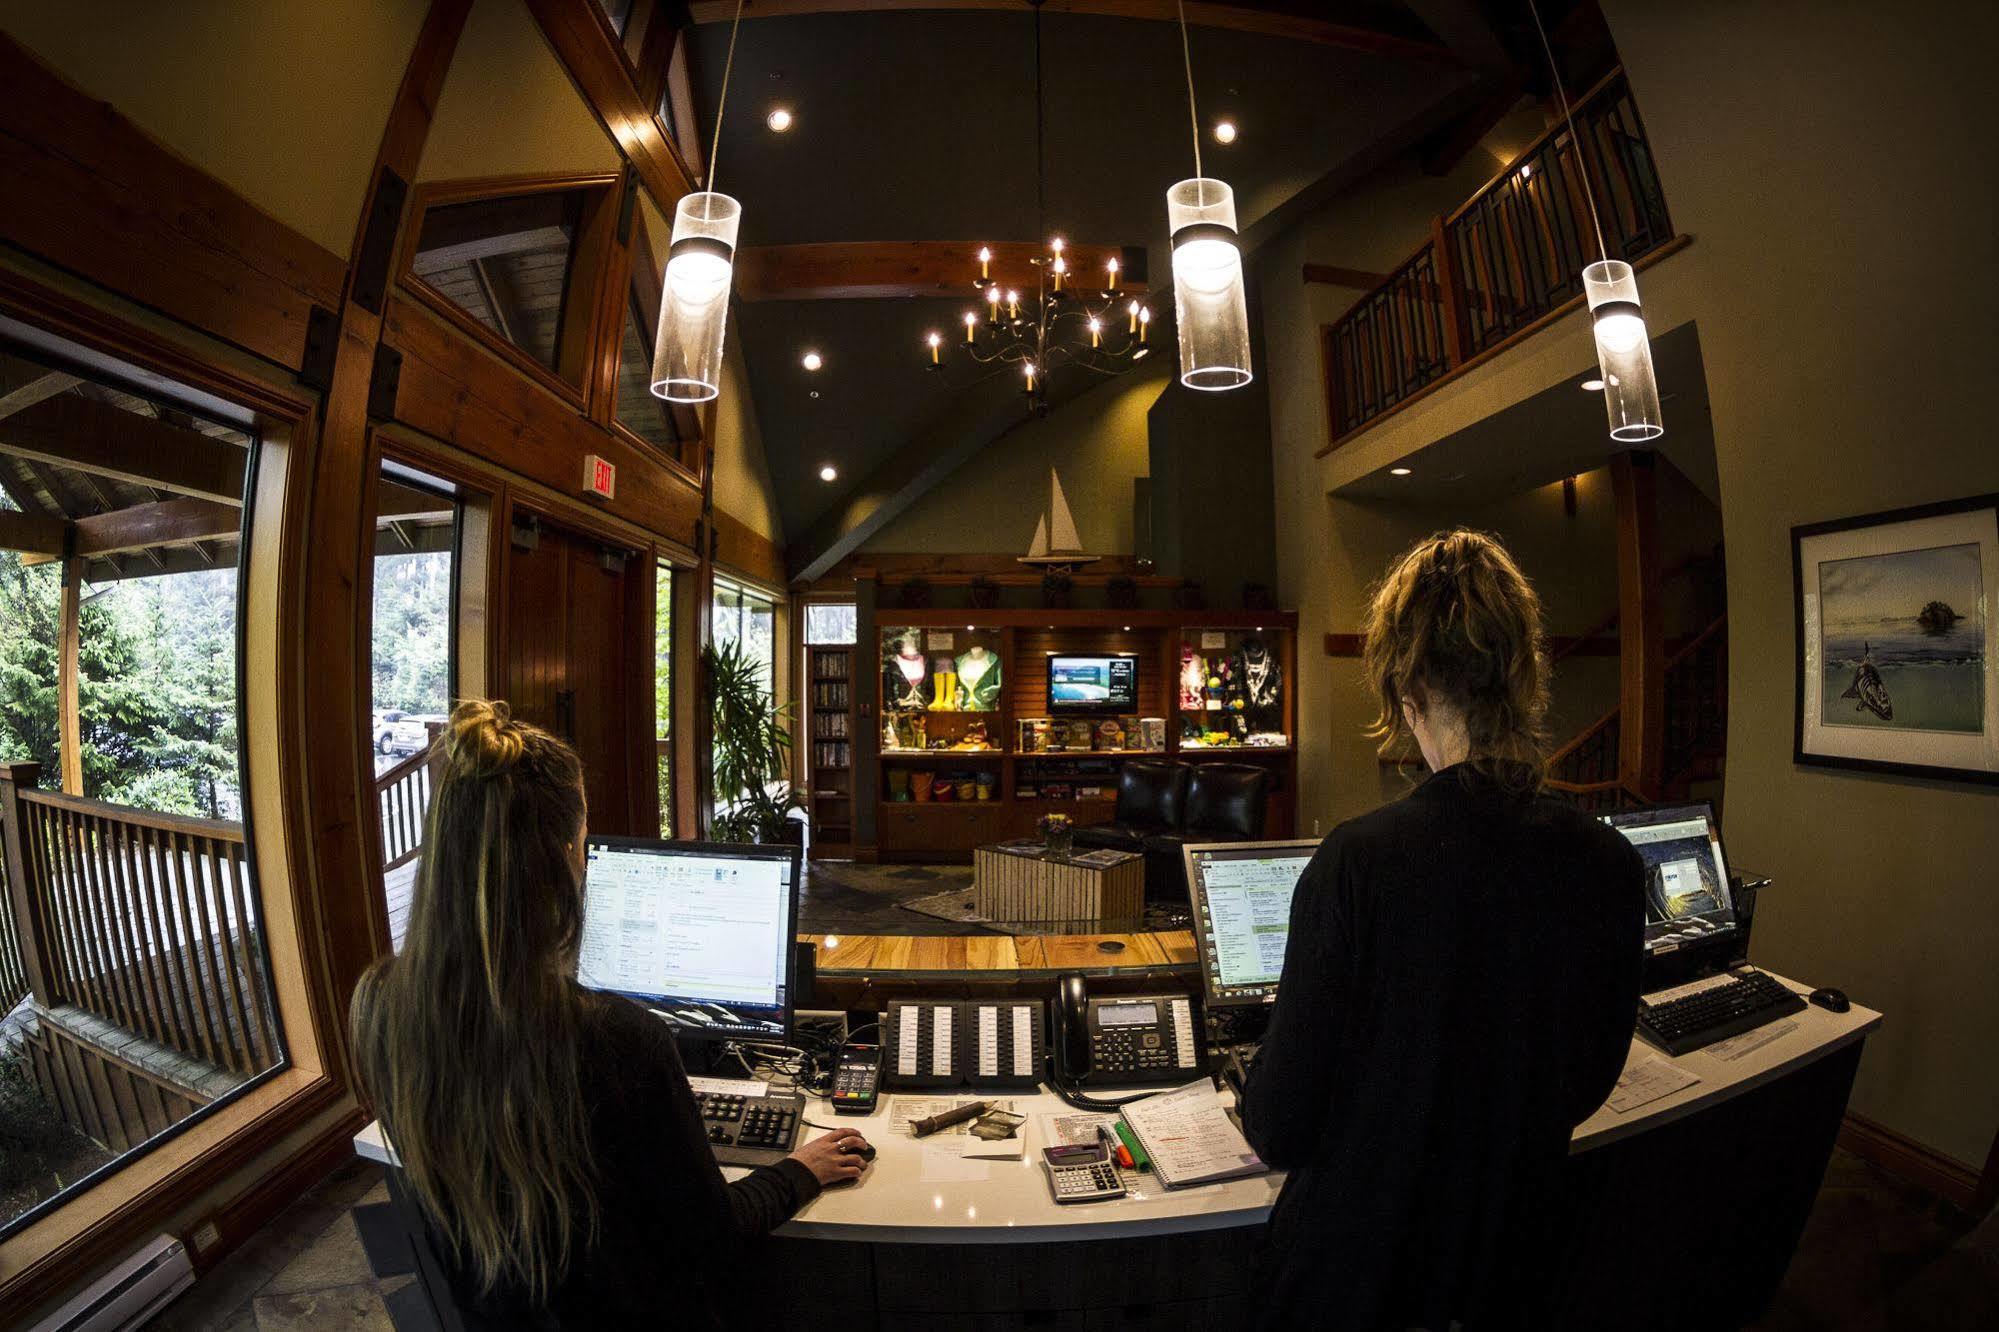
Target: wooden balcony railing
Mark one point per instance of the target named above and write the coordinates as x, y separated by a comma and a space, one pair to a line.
1510, 258
146, 920
1584, 770
403, 793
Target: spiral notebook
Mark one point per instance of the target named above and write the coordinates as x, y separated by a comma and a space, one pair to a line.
1189, 1136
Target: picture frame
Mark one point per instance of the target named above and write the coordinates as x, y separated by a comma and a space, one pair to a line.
1898, 641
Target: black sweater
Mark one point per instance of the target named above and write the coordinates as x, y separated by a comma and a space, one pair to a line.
1458, 993
670, 1230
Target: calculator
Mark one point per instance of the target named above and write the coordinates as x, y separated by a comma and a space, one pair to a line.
1082, 1172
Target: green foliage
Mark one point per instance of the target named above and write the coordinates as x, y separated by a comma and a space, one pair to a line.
752, 746
156, 689
412, 632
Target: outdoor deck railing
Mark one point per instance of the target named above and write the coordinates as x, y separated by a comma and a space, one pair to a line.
403, 793
147, 920
1511, 256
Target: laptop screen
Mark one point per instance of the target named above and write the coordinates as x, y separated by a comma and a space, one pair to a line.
1687, 895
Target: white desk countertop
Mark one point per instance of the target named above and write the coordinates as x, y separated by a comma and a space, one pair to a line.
920, 1190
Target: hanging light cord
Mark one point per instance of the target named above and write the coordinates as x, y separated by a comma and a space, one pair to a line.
1555, 73
1187, 59
728, 65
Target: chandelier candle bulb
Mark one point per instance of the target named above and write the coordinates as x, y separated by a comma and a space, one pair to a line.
985, 262
1060, 266
1028, 367
1111, 286
1623, 352
1096, 333
1209, 306
936, 343
1144, 323
1132, 309
993, 300
971, 326
1013, 305
694, 303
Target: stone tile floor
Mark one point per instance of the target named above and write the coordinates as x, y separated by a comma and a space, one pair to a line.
1877, 1256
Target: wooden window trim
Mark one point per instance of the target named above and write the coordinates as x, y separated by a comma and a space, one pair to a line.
89, 1229
642, 280
590, 256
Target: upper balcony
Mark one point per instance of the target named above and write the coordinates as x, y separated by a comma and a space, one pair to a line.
1502, 267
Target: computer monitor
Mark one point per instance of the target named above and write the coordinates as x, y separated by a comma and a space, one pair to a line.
1242, 915
702, 933
1689, 903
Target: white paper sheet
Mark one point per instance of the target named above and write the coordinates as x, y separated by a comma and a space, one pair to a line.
1754, 1039
1647, 1081
729, 1086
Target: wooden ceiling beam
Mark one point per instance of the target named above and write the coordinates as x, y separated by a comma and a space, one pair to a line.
96, 438
869, 270
148, 527
32, 534
17, 394
589, 49
1235, 18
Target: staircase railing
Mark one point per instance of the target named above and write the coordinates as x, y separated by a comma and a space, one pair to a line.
403, 794
1585, 769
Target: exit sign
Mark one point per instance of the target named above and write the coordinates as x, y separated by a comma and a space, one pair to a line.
600, 478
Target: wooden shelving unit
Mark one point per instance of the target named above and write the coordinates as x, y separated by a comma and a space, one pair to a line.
830, 758
907, 829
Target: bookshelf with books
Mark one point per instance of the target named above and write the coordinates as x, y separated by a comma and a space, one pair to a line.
829, 748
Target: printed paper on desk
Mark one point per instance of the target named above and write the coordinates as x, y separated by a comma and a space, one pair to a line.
1075, 1130
1647, 1081
729, 1086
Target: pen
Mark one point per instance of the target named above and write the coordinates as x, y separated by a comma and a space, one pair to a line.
1119, 1152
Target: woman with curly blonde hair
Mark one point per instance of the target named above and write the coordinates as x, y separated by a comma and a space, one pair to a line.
1459, 987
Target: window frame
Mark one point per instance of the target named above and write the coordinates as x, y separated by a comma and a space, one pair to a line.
579, 331
638, 281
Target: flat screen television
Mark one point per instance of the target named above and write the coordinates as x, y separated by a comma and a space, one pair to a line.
1093, 684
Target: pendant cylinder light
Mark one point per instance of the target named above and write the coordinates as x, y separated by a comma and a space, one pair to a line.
1623, 352
694, 305
1209, 306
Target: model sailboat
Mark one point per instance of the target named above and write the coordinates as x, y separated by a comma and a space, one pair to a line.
1055, 538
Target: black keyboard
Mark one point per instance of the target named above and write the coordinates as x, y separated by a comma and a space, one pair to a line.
750, 1130
1714, 1014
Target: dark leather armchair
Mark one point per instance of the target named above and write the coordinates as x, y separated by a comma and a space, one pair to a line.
1151, 798
1225, 803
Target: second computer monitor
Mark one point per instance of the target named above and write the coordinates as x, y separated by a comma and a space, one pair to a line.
1241, 895
702, 933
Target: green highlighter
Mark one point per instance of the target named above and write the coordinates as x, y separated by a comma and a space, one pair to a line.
1130, 1140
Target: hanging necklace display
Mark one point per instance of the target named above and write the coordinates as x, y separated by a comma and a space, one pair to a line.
700, 268
1209, 307
1623, 350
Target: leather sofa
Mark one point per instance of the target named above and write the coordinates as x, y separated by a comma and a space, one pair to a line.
1162, 807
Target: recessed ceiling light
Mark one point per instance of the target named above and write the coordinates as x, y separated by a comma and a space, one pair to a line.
828, 472
1592, 386
1398, 471
1224, 131
811, 360
779, 119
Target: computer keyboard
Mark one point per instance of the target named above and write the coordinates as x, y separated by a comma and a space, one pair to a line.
750, 1130
1746, 1001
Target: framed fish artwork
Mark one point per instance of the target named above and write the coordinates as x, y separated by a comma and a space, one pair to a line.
1898, 641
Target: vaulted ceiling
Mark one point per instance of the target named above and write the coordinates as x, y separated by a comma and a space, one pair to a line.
917, 123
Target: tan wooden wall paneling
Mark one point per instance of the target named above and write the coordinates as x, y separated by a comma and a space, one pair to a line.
91, 192
747, 551
452, 389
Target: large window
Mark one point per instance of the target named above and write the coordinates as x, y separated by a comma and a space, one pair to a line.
121, 526
412, 669
662, 650
749, 617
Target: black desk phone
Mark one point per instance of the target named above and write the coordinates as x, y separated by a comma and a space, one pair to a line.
963, 1043
1123, 1040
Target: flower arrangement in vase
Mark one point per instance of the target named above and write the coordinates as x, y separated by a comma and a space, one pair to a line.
1058, 833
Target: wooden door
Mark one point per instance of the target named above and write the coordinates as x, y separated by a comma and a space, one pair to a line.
568, 655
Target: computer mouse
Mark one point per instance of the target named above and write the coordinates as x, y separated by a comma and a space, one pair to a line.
1832, 1001
866, 1151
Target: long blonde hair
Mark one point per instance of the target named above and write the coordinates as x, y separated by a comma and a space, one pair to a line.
1455, 620
467, 1042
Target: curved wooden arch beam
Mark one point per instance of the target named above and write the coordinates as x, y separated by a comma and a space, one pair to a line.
1236, 18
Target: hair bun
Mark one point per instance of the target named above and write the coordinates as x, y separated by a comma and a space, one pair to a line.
483, 738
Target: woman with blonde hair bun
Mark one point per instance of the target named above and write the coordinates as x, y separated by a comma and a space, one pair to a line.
547, 1135
1459, 988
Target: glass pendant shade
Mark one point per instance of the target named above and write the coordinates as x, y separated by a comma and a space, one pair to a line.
1623, 352
694, 301
1208, 302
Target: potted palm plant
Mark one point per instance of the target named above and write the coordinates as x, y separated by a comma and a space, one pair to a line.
753, 796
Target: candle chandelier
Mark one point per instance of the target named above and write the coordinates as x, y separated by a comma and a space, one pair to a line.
1067, 318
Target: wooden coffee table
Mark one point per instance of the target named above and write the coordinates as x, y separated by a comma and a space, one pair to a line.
1010, 885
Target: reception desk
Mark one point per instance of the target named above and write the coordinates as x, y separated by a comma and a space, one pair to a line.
1711, 1182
